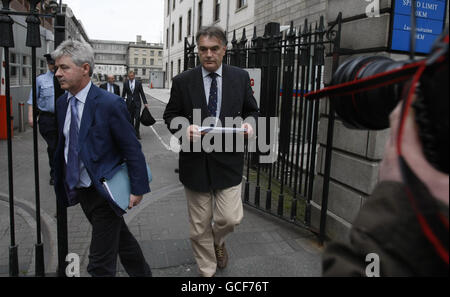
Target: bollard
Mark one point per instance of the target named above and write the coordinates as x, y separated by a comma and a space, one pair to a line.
22, 125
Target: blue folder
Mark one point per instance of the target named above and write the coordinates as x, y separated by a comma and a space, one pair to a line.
118, 187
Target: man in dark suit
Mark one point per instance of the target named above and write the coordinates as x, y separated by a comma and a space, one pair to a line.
95, 137
134, 93
212, 180
110, 86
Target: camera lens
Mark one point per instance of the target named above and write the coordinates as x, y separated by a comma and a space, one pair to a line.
368, 109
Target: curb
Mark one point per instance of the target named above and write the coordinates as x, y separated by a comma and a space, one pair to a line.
48, 228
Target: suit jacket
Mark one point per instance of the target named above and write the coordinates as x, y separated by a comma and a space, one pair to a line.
116, 88
201, 171
136, 96
388, 225
106, 139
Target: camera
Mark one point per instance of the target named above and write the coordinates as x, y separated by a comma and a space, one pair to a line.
365, 90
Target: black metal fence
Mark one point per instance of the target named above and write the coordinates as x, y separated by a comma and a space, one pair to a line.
291, 64
37, 9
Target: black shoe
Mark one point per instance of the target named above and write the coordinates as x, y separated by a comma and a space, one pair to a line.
52, 182
177, 170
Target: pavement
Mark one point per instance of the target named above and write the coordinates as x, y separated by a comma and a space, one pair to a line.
261, 246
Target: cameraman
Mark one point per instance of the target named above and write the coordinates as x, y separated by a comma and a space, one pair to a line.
409, 236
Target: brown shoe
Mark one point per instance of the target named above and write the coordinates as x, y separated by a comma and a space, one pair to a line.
221, 256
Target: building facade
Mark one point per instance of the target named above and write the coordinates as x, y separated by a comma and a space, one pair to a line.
110, 59
74, 27
184, 18
20, 55
143, 58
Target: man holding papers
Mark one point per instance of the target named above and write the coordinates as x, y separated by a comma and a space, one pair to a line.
212, 180
95, 138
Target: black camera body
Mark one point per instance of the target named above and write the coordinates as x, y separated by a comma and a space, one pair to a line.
365, 90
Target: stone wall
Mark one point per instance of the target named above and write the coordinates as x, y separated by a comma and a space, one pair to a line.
285, 11
356, 153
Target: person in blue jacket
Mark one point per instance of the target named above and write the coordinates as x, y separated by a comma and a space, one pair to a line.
95, 137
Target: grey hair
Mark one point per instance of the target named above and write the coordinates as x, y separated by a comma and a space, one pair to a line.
80, 52
212, 31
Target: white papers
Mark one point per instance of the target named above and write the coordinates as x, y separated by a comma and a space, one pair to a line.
221, 130
105, 184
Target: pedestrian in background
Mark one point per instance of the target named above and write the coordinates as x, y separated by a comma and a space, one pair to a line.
45, 97
212, 181
134, 94
110, 86
95, 137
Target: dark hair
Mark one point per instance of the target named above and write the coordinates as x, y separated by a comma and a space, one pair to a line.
212, 31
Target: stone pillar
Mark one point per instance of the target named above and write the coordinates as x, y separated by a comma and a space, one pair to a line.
356, 153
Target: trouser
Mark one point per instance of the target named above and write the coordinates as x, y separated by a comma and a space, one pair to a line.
48, 131
110, 237
212, 216
135, 116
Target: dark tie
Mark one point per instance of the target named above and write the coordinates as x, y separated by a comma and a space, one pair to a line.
73, 165
212, 103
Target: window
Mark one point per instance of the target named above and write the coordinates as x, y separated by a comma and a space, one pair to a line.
144, 71
41, 67
171, 70
241, 3
152, 53
26, 60
174, 1
173, 33
152, 62
200, 14
14, 67
144, 61
136, 61
168, 6
167, 39
167, 70
159, 54
179, 66
216, 16
189, 20
26, 70
180, 32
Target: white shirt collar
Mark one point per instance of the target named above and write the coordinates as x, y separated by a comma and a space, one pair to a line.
206, 72
82, 95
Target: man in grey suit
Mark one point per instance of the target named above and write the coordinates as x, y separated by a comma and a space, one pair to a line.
134, 93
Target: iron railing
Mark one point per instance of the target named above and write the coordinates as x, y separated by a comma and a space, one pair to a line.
291, 65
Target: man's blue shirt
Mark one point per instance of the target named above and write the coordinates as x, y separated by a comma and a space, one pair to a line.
45, 93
